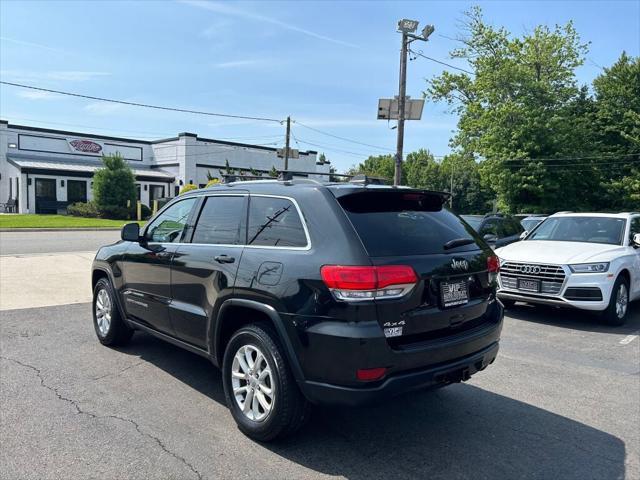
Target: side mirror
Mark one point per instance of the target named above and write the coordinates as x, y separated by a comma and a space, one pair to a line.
636, 240
523, 235
490, 238
130, 232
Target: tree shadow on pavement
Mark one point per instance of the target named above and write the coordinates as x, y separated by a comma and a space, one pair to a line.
573, 318
458, 432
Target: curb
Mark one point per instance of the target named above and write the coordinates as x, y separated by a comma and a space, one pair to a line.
74, 229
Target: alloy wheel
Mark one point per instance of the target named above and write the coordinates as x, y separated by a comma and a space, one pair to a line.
252, 383
103, 312
622, 301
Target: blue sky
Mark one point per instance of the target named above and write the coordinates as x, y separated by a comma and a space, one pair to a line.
323, 63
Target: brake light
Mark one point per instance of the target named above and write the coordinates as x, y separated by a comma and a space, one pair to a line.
370, 374
356, 283
493, 264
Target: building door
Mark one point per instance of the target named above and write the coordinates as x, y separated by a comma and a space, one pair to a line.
76, 191
46, 198
156, 192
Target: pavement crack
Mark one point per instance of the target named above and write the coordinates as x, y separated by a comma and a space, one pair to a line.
80, 411
115, 374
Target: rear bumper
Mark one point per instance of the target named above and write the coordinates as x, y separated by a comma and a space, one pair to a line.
451, 372
330, 353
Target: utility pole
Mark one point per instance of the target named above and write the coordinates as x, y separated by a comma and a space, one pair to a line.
286, 148
402, 90
451, 189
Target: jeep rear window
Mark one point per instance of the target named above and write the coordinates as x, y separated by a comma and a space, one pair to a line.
405, 223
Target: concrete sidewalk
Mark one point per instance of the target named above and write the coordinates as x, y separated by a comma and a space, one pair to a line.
41, 280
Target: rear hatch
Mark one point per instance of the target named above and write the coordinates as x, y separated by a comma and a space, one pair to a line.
411, 227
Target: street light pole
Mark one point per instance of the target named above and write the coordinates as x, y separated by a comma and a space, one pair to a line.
402, 90
407, 28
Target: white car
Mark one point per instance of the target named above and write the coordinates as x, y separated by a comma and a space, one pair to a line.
589, 261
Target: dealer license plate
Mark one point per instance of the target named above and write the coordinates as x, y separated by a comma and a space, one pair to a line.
529, 285
454, 293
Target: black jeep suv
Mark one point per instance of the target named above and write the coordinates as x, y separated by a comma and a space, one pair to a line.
306, 293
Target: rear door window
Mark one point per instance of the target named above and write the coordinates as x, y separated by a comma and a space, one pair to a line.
221, 221
405, 223
275, 222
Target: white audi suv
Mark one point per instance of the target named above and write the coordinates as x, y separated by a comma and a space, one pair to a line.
589, 261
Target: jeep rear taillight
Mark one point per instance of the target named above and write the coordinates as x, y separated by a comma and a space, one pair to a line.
356, 283
493, 266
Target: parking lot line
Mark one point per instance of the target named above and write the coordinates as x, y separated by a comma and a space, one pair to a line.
628, 339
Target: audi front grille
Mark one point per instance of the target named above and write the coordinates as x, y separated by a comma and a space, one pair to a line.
551, 277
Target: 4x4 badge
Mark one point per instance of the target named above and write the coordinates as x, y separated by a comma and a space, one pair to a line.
459, 264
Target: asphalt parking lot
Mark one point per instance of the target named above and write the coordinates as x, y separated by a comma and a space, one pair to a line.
561, 401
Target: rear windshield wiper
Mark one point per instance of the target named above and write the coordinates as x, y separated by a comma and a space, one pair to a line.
458, 242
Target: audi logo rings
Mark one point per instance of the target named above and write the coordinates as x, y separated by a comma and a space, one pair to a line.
530, 269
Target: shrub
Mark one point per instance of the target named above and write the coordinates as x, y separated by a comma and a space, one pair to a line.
81, 209
145, 212
116, 212
213, 181
187, 188
114, 186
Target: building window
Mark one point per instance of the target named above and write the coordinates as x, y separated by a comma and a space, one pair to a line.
138, 191
76, 191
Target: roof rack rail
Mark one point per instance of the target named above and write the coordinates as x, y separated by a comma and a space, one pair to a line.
367, 180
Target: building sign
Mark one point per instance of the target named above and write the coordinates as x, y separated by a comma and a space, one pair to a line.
85, 146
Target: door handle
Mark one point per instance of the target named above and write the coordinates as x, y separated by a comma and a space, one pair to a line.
224, 259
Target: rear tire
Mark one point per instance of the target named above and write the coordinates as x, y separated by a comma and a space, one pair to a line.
255, 370
107, 321
618, 309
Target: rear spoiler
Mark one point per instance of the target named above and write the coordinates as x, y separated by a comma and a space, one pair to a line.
350, 189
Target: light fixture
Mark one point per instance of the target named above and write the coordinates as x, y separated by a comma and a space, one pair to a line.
427, 31
13, 145
62, 183
407, 26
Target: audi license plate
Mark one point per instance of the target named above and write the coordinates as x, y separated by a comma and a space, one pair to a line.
529, 285
454, 293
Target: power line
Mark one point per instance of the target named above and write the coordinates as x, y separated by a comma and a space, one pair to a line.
342, 138
135, 104
420, 54
332, 149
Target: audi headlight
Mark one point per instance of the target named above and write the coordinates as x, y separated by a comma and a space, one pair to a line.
590, 267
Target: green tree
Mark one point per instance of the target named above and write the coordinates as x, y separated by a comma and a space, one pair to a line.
273, 172
616, 128
421, 170
375, 166
518, 111
114, 188
322, 158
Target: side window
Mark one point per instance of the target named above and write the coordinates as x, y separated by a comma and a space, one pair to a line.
168, 227
275, 222
221, 221
489, 227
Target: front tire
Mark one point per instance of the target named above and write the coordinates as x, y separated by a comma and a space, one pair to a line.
259, 387
107, 321
618, 309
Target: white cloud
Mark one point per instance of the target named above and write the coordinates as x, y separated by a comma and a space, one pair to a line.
243, 63
103, 108
75, 75
55, 75
32, 45
227, 9
37, 95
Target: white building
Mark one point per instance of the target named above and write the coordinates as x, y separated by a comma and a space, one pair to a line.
43, 170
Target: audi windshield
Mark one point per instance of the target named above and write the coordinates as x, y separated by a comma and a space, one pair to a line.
607, 230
